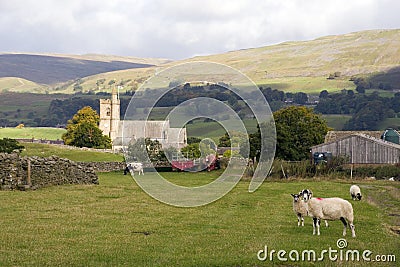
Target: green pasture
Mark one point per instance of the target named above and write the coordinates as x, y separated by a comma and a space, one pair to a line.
309, 85
214, 130
390, 123
116, 224
336, 121
46, 150
32, 132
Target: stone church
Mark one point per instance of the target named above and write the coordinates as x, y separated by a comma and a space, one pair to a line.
112, 126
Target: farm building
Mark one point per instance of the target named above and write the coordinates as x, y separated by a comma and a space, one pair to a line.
391, 135
334, 135
361, 149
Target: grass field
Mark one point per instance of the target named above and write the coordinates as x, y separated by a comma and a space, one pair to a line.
32, 132
336, 121
13, 84
45, 150
310, 85
214, 130
390, 123
17, 107
116, 224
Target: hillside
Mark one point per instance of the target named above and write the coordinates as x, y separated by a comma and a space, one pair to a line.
289, 66
55, 69
350, 54
298, 66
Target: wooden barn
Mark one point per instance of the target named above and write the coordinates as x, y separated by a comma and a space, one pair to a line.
361, 149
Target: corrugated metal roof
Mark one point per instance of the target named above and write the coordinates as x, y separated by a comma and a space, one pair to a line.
371, 138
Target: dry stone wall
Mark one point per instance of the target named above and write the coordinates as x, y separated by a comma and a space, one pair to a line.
104, 166
18, 172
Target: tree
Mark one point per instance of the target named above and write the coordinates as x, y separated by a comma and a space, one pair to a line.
192, 151
224, 141
360, 89
300, 98
297, 130
192, 140
8, 145
323, 94
83, 130
145, 149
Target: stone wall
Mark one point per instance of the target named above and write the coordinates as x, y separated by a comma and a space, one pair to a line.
104, 166
53, 170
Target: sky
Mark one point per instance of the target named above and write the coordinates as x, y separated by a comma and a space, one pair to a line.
178, 29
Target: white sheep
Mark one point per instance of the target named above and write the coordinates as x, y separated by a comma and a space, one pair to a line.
300, 209
355, 192
136, 167
329, 209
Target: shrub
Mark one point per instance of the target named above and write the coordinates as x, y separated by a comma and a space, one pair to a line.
8, 145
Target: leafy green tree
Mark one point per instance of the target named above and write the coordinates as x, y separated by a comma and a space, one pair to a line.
297, 129
300, 98
145, 149
258, 146
89, 135
360, 89
192, 151
229, 153
236, 140
8, 145
83, 130
323, 94
224, 141
368, 116
192, 140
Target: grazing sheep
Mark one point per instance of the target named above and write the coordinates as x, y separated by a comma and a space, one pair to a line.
300, 209
136, 167
329, 209
355, 192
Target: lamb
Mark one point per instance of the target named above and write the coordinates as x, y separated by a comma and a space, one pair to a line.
355, 192
329, 209
300, 209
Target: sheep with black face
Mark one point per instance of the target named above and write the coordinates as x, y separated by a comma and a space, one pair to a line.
329, 209
355, 192
300, 209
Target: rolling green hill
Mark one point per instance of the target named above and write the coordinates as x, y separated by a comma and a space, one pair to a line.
297, 66
289, 66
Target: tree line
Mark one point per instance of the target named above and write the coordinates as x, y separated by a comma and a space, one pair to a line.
367, 111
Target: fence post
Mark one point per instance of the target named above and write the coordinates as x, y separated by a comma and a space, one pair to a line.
351, 171
28, 179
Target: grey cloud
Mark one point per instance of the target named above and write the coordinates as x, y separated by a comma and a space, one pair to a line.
180, 29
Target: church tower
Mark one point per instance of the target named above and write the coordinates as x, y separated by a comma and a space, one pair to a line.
110, 115
115, 114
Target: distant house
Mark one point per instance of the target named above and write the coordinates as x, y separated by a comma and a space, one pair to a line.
360, 148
